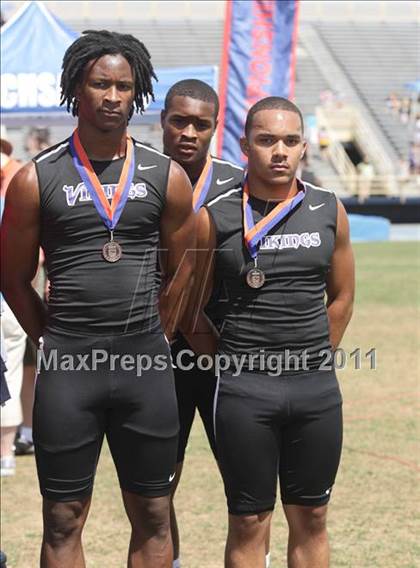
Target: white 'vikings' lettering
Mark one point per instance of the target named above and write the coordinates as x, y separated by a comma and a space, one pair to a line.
80, 192
294, 240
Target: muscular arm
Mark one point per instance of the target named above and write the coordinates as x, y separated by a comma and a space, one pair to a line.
177, 241
20, 251
340, 282
195, 326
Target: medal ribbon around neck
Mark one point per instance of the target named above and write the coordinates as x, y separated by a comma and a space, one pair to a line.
110, 214
202, 186
253, 234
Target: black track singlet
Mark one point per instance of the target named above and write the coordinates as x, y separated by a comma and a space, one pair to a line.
87, 294
288, 314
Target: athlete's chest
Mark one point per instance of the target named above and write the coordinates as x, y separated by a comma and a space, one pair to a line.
303, 241
68, 203
224, 177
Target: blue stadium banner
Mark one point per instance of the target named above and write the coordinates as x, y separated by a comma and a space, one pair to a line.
259, 55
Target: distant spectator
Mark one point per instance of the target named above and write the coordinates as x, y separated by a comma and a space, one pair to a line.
311, 128
326, 97
9, 165
14, 337
323, 141
416, 133
405, 110
393, 103
403, 178
403, 170
414, 159
340, 98
389, 103
366, 173
37, 139
396, 103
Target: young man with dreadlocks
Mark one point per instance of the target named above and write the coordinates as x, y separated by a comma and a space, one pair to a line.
99, 203
189, 120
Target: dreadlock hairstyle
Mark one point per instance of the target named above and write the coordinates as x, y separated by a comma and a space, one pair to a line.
92, 45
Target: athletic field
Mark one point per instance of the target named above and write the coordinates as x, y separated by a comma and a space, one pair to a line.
374, 513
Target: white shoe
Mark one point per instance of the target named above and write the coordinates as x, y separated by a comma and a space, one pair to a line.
8, 466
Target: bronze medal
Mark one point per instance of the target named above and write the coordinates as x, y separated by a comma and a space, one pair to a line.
112, 251
109, 213
255, 278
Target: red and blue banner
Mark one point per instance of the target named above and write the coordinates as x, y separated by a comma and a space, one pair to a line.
259, 56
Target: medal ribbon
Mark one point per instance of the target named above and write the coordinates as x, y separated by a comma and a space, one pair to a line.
110, 214
202, 186
253, 234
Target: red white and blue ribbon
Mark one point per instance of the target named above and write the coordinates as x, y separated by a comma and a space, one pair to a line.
202, 186
253, 234
109, 213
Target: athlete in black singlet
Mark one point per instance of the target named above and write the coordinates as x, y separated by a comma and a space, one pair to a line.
281, 245
189, 120
101, 205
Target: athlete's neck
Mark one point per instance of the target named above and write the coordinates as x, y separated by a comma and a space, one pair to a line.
194, 170
100, 145
262, 190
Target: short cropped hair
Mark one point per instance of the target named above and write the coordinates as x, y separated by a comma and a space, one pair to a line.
270, 103
195, 89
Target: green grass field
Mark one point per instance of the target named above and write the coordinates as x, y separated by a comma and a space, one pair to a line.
374, 512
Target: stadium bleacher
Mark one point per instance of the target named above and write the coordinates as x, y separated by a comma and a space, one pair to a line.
376, 49
378, 59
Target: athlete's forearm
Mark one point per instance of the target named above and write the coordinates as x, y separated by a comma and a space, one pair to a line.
202, 336
173, 300
28, 308
339, 314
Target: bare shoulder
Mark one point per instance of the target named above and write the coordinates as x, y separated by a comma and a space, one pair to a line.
177, 175
179, 190
24, 185
206, 234
343, 225
22, 196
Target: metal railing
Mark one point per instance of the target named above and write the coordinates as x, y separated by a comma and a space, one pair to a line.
350, 118
336, 153
344, 166
378, 185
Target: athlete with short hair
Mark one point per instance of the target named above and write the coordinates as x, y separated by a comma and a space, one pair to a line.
189, 120
281, 245
99, 204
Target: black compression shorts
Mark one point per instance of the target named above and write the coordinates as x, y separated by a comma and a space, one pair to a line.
195, 389
287, 427
134, 407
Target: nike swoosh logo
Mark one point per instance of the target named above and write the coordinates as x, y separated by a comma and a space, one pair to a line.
223, 181
314, 207
142, 168
171, 477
